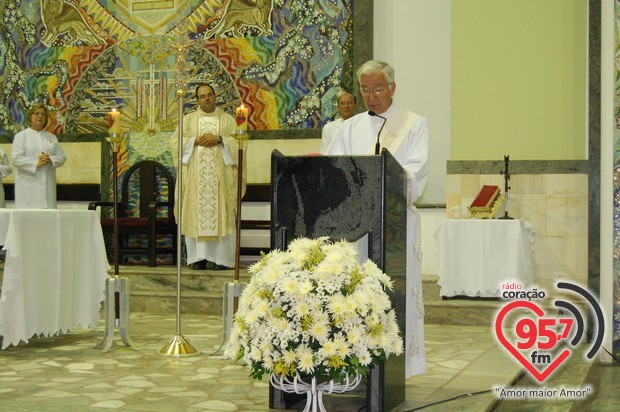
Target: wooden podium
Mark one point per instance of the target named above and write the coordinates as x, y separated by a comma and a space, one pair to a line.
347, 197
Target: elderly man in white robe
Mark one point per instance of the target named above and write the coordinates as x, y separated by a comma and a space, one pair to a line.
405, 135
209, 183
36, 154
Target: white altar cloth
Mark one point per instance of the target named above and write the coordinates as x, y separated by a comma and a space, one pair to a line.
477, 255
54, 273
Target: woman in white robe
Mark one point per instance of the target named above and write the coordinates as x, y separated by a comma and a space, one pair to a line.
36, 154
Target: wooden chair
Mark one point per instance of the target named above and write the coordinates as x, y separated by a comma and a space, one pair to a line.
145, 213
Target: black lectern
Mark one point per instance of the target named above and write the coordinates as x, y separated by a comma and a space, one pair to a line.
347, 197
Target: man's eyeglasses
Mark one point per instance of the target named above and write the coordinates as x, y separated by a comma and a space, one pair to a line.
375, 90
346, 103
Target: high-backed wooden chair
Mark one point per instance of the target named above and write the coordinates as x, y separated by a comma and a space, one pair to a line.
146, 224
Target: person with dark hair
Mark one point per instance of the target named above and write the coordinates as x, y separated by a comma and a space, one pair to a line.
347, 106
405, 135
209, 180
36, 154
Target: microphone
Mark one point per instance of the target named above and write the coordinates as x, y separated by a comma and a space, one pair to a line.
377, 145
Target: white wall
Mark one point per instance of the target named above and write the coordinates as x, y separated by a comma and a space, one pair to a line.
414, 37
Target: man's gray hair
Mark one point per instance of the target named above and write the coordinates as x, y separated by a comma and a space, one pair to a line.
376, 66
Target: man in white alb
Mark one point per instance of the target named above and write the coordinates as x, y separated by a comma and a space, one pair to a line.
405, 135
347, 106
209, 182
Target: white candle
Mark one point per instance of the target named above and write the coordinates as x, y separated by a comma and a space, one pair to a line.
114, 121
241, 116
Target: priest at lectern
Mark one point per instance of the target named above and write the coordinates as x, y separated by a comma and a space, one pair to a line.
405, 135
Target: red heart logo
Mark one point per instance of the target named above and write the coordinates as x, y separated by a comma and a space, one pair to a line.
499, 331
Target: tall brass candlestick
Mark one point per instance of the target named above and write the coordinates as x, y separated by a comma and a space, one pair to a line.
240, 136
179, 346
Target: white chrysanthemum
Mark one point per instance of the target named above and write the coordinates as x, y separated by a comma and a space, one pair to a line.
381, 303
265, 347
251, 316
329, 348
270, 276
306, 359
342, 348
268, 362
336, 306
305, 287
255, 354
354, 336
300, 308
384, 340
261, 306
290, 285
361, 301
302, 244
350, 304
397, 346
319, 331
364, 357
289, 357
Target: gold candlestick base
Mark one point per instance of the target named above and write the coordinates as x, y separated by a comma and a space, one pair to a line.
178, 347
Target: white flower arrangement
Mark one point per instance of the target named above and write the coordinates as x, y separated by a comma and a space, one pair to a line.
314, 310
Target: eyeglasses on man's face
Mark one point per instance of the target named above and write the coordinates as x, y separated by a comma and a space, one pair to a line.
346, 103
375, 90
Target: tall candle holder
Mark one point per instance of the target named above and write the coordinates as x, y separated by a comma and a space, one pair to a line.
233, 290
116, 303
178, 346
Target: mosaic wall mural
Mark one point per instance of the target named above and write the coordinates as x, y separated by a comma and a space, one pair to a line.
283, 59
616, 292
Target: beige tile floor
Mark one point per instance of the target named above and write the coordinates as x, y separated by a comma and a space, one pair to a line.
66, 373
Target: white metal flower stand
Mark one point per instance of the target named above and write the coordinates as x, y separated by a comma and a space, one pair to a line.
313, 390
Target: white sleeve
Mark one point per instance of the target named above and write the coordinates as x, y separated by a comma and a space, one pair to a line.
187, 151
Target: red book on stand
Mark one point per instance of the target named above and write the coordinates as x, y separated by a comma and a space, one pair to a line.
485, 198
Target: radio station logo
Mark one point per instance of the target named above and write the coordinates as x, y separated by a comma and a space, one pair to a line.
538, 339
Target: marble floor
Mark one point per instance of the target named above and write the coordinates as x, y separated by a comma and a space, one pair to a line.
66, 373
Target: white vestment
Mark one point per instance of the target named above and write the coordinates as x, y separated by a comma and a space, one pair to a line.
35, 187
209, 188
330, 130
405, 135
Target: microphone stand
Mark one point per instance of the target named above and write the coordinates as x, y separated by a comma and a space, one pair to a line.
378, 145
506, 186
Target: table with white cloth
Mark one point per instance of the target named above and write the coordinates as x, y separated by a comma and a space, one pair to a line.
54, 272
477, 256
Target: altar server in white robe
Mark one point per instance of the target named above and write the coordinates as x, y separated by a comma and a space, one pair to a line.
347, 106
209, 183
36, 154
405, 135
